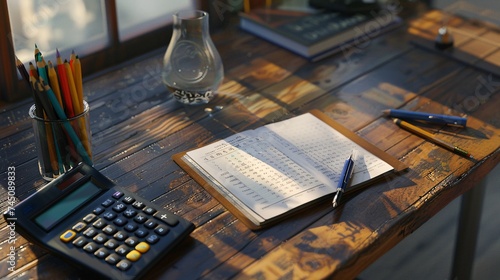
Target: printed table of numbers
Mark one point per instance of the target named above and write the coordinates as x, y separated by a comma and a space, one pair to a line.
262, 177
280, 166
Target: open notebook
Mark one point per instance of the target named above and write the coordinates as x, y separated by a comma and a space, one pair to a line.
263, 175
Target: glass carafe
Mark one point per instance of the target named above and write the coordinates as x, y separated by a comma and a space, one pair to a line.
192, 67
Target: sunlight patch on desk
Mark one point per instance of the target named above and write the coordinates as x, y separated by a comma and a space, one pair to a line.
306, 257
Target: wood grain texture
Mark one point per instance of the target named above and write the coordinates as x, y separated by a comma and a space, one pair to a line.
137, 127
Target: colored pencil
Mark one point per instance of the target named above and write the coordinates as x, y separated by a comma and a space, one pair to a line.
37, 52
77, 75
26, 77
72, 58
51, 135
62, 144
60, 113
63, 83
58, 95
428, 136
77, 105
72, 89
42, 71
33, 70
54, 83
22, 70
39, 57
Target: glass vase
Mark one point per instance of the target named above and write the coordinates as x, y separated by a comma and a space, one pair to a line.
192, 67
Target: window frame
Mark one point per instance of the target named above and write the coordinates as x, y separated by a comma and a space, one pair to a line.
12, 88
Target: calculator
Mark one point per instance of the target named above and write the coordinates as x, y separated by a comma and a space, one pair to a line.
83, 217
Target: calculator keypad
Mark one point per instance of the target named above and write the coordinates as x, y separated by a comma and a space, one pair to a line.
120, 230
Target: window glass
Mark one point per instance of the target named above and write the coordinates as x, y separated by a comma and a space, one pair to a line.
136, 17
68, 25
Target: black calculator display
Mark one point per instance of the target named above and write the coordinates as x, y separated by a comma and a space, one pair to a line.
84, 217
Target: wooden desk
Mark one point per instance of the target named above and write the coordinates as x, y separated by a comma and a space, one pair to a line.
137, 127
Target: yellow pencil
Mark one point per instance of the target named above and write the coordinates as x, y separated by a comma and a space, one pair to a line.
77, 75
78, 106
428, 136
246, 6
54, 83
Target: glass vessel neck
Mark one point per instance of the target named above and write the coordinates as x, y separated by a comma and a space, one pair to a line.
191, 22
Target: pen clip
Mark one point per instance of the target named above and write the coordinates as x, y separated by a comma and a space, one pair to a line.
354, 155
444, 120
350, 162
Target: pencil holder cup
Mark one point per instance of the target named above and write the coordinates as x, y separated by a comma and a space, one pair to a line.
192, 68
61, 144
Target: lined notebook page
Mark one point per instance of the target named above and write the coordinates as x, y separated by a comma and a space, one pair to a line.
280, 166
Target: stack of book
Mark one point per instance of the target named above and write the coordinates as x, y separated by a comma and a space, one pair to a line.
316, 34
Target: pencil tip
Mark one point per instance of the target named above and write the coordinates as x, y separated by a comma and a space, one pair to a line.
57, 53
36, 47
386, 112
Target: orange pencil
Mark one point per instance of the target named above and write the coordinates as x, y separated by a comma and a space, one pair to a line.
72, 58
33, 71
63, 83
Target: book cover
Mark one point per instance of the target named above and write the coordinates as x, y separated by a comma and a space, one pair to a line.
312, 34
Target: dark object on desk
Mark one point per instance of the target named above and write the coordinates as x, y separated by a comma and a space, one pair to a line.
428, 136
84, 218
444, 39
427, 117
315, 35
345, 179
346, 6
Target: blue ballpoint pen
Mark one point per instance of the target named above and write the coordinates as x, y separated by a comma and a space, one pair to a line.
428, 117
345, 178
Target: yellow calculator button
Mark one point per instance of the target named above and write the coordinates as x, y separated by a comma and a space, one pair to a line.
67, 236
133, 255
142, 247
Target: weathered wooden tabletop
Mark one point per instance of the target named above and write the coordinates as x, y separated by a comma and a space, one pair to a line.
137, 127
